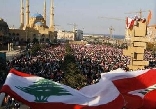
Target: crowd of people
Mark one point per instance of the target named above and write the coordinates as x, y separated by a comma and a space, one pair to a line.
96, 59
10, 103
45, 63
92, 60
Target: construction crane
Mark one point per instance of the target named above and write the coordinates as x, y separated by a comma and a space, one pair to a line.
139, 12
111, 29
74, 26
112, 18
56, 26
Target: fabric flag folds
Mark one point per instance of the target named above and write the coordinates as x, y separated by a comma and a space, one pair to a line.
149, 100
40, 93
129, 23
137, 87
149, 17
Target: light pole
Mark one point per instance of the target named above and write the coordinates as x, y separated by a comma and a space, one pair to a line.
39, 37
26, 35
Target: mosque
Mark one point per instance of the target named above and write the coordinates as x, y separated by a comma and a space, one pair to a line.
34, 27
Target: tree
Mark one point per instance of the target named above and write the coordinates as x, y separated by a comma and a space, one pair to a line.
3, 68
35, 40
43, 89
35, 48
72, 76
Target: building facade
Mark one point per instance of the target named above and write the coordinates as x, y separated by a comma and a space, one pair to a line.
151, 33
35, 25
65, 35
79, 35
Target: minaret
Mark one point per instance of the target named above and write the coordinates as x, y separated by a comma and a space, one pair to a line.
52, 16
27, 13
22, 15
44, 11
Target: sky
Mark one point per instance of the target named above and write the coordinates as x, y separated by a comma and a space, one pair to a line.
91, 16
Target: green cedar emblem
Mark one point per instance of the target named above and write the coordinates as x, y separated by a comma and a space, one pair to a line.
147, 90
43, 89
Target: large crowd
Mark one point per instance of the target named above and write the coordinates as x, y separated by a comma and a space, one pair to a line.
45, 63
92, 60
96, 59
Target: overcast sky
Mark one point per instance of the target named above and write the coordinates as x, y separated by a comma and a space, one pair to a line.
85, 13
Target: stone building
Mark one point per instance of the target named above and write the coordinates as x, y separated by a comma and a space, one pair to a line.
136, 49
151, 33
65, 35
35, 26
4, 29
76, 35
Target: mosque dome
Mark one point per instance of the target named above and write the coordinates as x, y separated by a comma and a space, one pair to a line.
39, 24
37, 15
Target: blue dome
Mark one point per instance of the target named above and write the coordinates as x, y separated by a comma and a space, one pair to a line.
39, 23
37, 15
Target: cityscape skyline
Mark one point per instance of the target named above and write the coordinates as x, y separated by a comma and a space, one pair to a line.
86, 14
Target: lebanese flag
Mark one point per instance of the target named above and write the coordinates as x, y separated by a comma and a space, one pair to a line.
40, 93
136, 87
129, 23
149, 100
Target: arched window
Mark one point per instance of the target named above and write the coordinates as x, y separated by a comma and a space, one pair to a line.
34, 35
28, 40
17, 34
13, 34
47, 40
17, 39
42, 39
22, 40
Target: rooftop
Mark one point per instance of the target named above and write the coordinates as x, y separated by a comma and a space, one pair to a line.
37, 15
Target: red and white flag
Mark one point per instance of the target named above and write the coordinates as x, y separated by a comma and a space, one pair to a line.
129, 23
40, 93
137, 87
